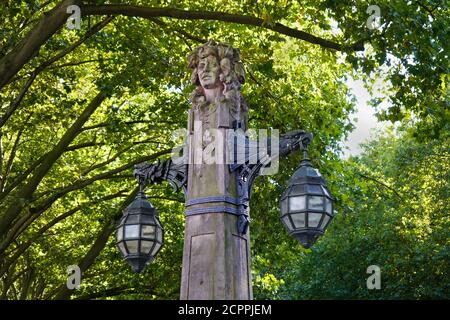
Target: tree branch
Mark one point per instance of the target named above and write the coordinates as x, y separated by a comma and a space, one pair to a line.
74, 147
15, 104
12, 156
10, 160
77, 63
380, 183
24, 246
102, 238
178, 30
107, 124
150, 13
29, 46
111, 174
36, 163
47, 63
266, 90
115, 292
21, 178
426, 9
25, 193
120, 152
37, 211
26, 283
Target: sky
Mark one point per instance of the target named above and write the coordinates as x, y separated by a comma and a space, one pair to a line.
366, 123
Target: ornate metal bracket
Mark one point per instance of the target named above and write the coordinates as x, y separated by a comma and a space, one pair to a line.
294, 140
175, 174
249, 170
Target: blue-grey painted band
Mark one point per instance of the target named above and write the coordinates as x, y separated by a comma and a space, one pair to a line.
226, 199
222, 209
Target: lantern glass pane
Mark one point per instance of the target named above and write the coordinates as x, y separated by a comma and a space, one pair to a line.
147, 219
146, 246
298, 219
329, 208
298, 189
159, 235
314, 219
132, 218
288, 223
284, 203
132, 231
297, 203
314, 188
326, 218
315, 203
156, 248
132, 246
148, 232
119, 234
122, 248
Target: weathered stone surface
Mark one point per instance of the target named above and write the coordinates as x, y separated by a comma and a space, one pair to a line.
216, 260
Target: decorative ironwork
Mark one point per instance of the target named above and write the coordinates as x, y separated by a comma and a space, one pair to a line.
251, 168
175, 174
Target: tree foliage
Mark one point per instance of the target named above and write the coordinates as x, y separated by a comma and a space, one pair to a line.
393, 213
80, 107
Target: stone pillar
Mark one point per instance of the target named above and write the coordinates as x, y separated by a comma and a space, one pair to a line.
216, 258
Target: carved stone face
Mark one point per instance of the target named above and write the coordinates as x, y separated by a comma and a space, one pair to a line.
208, 72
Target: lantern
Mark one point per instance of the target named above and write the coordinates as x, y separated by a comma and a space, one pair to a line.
306, 204
139, 233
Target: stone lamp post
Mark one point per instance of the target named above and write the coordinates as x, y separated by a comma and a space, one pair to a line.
219, 164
